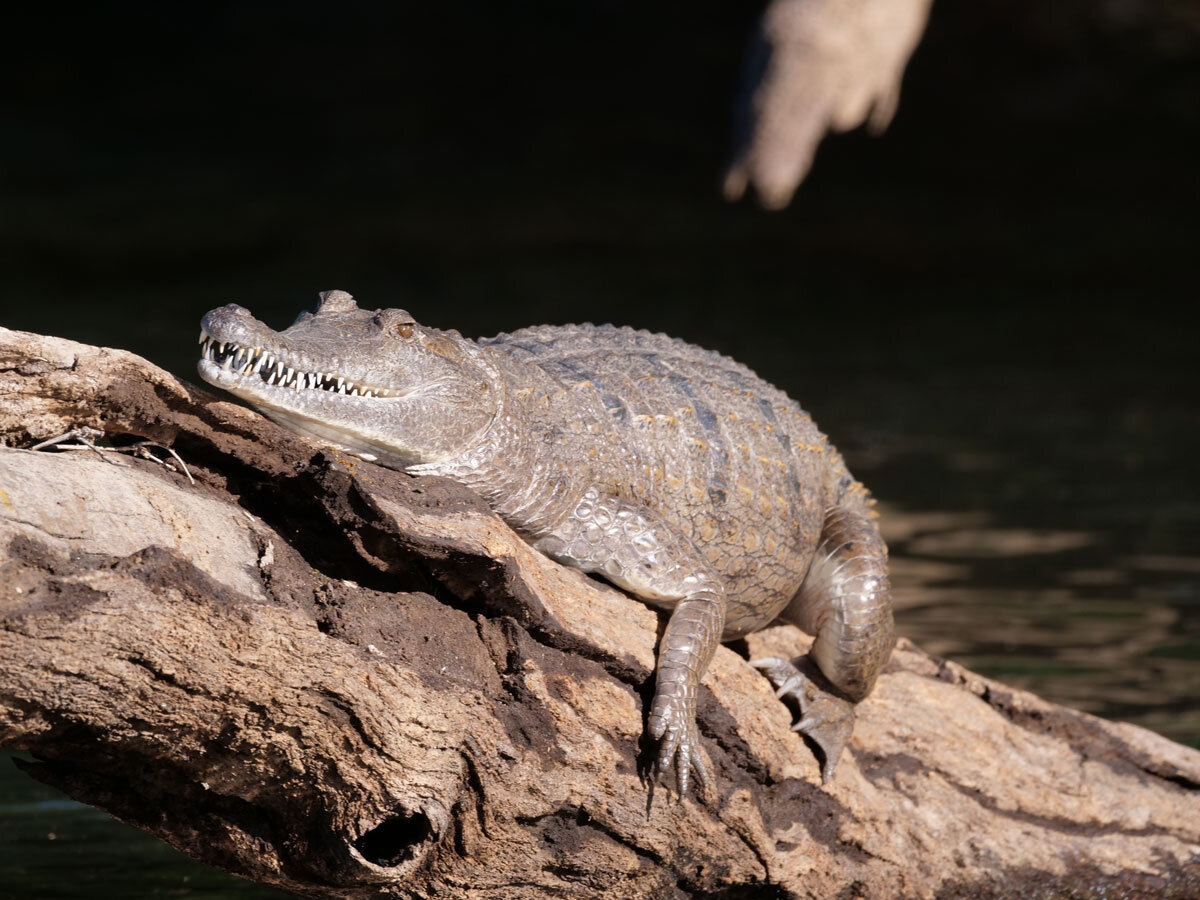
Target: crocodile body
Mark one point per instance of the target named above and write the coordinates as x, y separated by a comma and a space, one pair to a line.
672, 471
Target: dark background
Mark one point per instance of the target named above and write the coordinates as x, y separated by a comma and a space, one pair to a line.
989, 308
493, 165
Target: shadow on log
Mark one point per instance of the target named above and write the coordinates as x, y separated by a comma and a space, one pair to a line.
345, 681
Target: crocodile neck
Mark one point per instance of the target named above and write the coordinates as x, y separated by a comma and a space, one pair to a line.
514, 466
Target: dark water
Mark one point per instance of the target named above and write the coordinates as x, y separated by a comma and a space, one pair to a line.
53, 848
977, 308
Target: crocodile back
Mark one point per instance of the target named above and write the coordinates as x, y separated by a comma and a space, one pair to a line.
729, 460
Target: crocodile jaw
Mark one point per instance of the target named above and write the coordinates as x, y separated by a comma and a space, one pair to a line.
429, 421
272, 388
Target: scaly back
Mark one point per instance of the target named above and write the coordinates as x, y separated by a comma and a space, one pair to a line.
731, 461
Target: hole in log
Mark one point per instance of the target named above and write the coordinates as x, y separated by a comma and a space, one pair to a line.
393, 841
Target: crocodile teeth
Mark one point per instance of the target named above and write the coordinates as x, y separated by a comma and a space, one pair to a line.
250, 361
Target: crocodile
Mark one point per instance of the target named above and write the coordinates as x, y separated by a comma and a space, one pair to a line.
671, 471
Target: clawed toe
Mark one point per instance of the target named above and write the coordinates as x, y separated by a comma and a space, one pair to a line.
825, 718
783, 674
794, 685
679, 749
829, 732
685, 759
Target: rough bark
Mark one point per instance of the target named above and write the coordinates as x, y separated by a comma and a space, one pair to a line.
344, 681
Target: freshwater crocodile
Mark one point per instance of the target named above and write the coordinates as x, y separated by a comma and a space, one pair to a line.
669, 470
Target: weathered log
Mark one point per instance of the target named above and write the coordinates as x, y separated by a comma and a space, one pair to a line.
345, 681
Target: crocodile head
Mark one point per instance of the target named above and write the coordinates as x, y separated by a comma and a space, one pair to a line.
372, 382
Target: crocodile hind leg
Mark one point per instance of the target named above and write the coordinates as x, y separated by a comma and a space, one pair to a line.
845, 602
631, 546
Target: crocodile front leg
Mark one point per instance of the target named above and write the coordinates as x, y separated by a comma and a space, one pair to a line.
631, 546
687, 646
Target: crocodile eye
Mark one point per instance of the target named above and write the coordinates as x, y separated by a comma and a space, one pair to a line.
405, 331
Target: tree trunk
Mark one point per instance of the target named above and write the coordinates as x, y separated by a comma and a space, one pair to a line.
345, 681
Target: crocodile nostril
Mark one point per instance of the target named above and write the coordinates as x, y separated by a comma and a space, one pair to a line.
394, 840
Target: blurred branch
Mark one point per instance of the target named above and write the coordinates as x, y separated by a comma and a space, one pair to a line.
817, 66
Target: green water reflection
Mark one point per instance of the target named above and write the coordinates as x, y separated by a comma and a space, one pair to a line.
53, 848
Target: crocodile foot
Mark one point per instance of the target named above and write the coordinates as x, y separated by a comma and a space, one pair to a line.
674, 726
824, 717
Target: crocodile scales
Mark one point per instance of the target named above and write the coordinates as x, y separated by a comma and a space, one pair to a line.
673, 472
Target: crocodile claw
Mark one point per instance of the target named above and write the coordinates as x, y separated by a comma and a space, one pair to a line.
826, 718
675, 728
